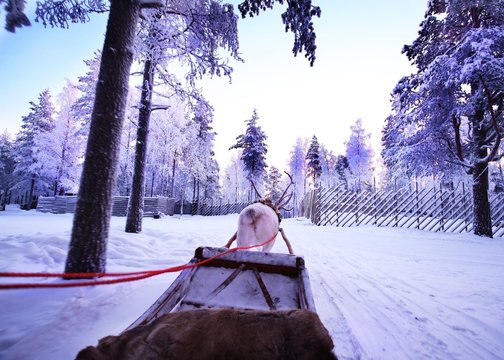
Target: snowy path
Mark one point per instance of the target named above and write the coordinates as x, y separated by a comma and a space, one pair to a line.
381, 293
419, 301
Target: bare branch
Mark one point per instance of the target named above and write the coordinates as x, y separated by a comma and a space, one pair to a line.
255, 189
279, 202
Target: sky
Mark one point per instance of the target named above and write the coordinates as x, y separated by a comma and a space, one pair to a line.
358, 63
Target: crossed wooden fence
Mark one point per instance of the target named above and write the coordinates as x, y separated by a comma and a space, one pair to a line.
432, 209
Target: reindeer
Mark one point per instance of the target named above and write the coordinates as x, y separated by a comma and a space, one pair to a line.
260, 222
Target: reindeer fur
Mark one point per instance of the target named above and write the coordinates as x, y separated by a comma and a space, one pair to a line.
220, 334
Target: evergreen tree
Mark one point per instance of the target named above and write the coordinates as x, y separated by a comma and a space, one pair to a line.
28, 169
342, 170
450, 112
235, 185
59, 151
328, 177
273, 190
83, 106
128, 139
359, 154
253, 144
206, 173
297, 169
172, 135
7, 167
314, 169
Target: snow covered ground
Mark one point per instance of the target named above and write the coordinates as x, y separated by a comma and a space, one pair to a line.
383, 293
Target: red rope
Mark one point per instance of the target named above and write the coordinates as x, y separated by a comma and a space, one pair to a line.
123, 277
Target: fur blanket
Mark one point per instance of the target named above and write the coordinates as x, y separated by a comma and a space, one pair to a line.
220, 334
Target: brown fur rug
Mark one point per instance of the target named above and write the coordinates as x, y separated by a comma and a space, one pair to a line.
220, 334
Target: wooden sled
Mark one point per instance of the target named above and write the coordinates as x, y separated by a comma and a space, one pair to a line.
247, 280
244, 305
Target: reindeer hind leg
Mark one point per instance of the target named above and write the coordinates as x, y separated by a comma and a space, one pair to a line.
233, 238
289, 247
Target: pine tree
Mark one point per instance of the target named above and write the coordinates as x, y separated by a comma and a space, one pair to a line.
28, 169
314, 169
7, 167
83, 106
328, 177
450, 112
359, 154
342, 170
235, 185
253, 144
59, 151
297, 169
273, 190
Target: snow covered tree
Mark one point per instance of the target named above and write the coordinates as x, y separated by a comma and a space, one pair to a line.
328, 167
297, 169
172, 132
59, 151
83, 106
342, 170
189, 32
497, 177
314, 169
203, 165
451, 111
253, 144
39, 121
88, 244
7, 167
235, 185
273, 180
359, 154
123, 186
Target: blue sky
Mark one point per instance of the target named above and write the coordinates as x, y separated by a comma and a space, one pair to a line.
358, 63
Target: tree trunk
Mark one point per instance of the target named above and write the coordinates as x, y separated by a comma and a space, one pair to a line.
172, 190
153, 179
30, 194
88, 245
136, 200
482, 220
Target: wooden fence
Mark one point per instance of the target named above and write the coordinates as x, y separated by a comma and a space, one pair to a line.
214, 209
430, 208
67, 204
217, 208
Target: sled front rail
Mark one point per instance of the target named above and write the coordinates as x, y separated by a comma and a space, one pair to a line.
238, 280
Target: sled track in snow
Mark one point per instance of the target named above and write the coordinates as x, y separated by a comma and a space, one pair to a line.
413, 321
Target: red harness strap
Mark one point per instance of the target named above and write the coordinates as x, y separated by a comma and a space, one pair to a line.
121, 277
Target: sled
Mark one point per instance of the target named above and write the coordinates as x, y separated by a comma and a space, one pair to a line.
242, 280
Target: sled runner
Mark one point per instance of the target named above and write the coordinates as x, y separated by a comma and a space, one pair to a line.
247, 280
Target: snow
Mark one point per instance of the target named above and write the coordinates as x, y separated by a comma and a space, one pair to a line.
383, 293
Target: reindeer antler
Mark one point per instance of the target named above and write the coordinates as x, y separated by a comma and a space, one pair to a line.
255, 189
280, 201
